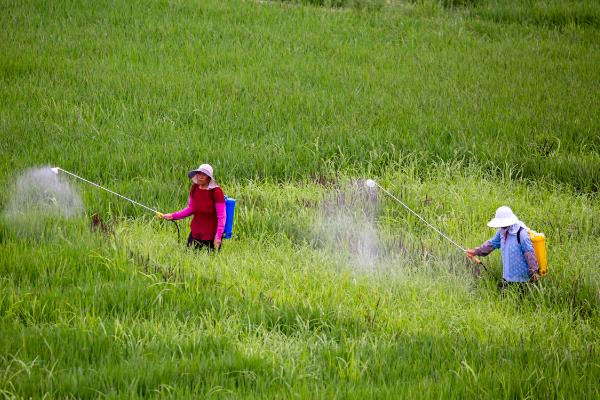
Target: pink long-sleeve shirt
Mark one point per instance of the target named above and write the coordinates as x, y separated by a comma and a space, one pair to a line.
208, 209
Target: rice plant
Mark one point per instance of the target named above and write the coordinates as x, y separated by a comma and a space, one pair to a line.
326, 290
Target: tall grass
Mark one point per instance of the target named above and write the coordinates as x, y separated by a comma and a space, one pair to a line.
456, 110
186, 82
273, 315
549, 14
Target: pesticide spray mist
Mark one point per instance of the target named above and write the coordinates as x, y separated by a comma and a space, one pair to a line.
346, 225
40, 195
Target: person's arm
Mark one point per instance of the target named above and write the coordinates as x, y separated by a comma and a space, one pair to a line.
221, 215
488, 246
219, 199
186, 212
529, 254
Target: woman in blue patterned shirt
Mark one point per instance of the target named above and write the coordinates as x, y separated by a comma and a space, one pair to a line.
519, 263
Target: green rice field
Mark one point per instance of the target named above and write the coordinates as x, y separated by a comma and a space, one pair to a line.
325, 291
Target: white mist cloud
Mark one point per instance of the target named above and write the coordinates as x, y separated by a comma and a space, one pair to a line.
346, 224
39, 190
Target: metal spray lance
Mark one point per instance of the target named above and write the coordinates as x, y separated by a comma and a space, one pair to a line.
57, 169
370, 183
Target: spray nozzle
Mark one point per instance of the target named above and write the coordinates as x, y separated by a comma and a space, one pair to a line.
55, 170
370, 183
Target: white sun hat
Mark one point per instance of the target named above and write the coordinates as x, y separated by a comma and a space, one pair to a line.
504, 217
205, 169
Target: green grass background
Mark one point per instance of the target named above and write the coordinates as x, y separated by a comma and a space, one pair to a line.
456, 106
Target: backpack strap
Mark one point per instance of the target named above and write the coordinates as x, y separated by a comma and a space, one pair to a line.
214, 193
519, 235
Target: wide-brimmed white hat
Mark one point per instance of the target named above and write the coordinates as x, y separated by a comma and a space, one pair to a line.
205, 169
504, 217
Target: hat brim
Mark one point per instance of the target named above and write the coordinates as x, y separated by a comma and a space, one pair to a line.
503, 222
211, 185
195, 171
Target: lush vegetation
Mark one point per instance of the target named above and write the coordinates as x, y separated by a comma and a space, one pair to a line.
455, 106
342, 90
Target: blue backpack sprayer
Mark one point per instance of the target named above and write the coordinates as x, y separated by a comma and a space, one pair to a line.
229, 212
229, 204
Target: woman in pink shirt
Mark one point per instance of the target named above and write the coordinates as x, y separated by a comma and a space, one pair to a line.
207, 204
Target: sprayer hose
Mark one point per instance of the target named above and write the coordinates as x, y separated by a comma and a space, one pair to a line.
178, 232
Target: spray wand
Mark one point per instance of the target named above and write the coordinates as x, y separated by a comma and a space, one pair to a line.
156, 212
371, 184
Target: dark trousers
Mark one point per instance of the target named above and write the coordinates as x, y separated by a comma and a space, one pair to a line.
201, 244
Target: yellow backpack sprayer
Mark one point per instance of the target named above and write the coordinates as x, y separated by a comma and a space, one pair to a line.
539, 248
